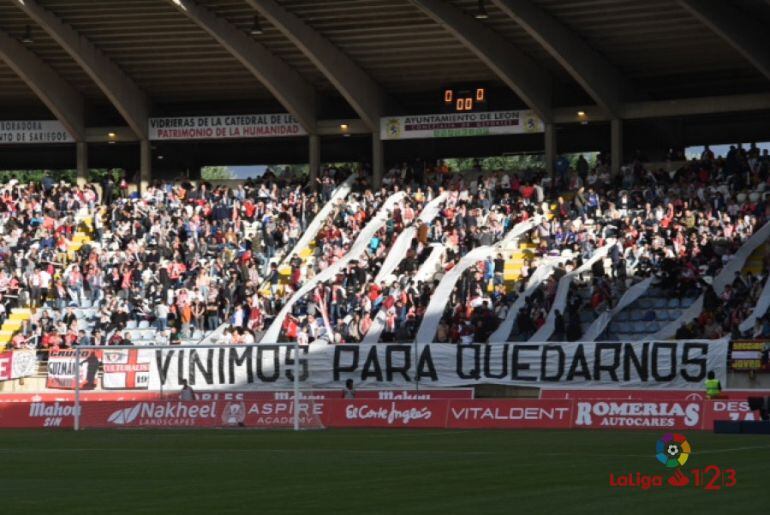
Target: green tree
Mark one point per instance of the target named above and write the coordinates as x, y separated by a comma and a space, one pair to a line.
216, 173
514, 163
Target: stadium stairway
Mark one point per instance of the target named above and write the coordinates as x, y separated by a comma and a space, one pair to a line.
79, 239
646, 316
12, 324
755, 264
516, 255
656, 309
82, 234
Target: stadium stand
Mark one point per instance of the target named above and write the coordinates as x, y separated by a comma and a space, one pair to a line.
172, 265
446, 215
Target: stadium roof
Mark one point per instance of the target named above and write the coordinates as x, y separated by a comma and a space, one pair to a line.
116, 62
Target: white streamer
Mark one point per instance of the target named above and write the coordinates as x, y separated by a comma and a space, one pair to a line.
443, 291
542, 273
428, 268
560, 301
633, 293
358, 248
722, 279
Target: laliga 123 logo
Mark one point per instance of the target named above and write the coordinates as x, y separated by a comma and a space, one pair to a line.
673, 450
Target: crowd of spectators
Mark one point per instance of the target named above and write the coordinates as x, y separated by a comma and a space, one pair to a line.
680, 225
477, 210
185, 258
180, 258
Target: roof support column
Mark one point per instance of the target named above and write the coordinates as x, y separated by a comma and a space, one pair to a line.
378, 159
145, 165
314, 159
550, 151
81, 150
616, 146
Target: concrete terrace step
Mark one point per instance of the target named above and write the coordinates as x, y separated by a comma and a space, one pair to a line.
636, 328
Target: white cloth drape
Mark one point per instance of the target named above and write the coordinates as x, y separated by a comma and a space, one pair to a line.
356, 250
311, 231
428, 269
633, 293
541, 274
560, 301
722, 279
404, 240
763, 303
443, 291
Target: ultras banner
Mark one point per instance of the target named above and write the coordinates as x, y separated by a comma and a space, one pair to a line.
680, 365
17, 363
63, 367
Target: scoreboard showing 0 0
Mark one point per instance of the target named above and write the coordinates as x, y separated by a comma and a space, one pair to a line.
460, 100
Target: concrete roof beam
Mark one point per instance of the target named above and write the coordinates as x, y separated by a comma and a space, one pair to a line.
523, 75
58, 95
296, 95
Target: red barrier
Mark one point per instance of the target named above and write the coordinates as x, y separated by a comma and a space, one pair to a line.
647, 395
36, 415
727, 409
509, 414
375, 413
637, 414
90, 396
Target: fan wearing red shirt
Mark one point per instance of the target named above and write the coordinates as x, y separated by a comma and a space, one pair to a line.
374, 292
527, 191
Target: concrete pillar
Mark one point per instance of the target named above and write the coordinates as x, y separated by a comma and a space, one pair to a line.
378, 160
314, 159
145, 165
550, 150
81, 150
616, 146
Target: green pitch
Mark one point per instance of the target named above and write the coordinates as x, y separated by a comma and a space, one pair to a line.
365, 471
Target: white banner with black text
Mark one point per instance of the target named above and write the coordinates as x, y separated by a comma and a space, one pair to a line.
225, 127
31, 132
679, 365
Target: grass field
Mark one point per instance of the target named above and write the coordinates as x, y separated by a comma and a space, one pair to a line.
364, 471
